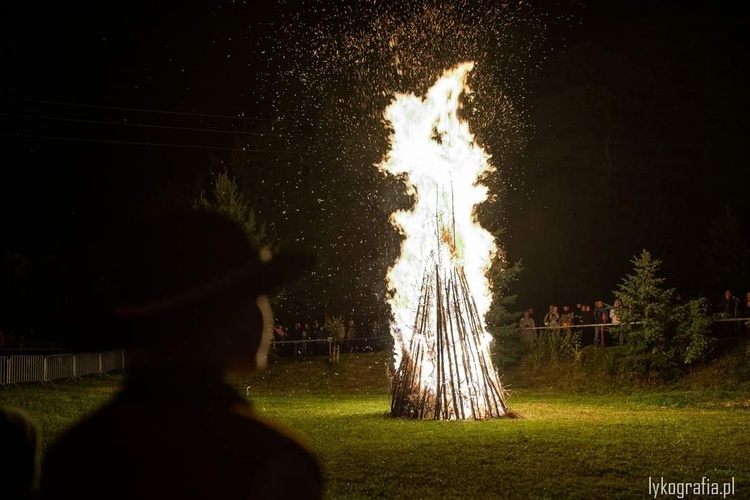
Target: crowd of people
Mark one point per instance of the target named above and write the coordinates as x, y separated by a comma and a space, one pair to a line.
313, 337
590, 320
593, 321
317, 338
20, 340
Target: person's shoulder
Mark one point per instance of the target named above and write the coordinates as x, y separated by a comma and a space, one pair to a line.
288, 470
78, 448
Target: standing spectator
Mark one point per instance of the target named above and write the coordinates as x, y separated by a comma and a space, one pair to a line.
578, 315
587, 318
730, 308
320, 335
340, 330
526, 326
615, 320
278, 333
351, 333
296, 332
552, 321
601, 317
552, 318
278, 336
295, 336
566, 318
304, 332
730, 305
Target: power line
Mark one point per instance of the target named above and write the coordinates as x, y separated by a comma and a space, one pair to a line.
168, 112
157, 144
145, 125
144, 110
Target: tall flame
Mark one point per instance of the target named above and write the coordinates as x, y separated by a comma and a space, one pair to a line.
436, 155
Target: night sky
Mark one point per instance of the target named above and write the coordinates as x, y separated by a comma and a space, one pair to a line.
614, 127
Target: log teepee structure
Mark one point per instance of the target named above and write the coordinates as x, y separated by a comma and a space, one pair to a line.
446, 372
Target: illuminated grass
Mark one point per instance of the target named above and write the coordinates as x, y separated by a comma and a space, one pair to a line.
592, 446
589, 447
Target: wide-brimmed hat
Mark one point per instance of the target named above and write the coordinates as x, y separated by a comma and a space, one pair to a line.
182, 259
184, 265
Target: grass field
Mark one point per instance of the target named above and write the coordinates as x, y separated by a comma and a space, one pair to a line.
566, 446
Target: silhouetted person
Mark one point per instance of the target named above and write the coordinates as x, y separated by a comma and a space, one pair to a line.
601, 317
351, 334
552, 318
19, 454
589, 334
526, 327
730, 307
566, 317
187, 292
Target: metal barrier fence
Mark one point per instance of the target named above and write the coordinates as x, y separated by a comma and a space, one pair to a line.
324, 347
39, 368
27, 369
87, 364
602, 334
60, 366
111, 361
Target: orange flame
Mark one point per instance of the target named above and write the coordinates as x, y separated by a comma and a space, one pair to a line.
441, 163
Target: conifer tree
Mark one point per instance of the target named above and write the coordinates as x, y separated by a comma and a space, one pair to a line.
502, 318
226, 198
659, 331
642, 291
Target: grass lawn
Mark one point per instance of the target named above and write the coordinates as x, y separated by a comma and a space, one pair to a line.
566, 446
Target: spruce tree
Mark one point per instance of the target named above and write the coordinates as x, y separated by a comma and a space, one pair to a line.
646, 307
502, 318
660, 334
226, 198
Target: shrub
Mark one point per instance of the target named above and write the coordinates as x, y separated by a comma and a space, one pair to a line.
692, 331
559, 344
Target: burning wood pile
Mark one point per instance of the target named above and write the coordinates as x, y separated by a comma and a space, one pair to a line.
462, 383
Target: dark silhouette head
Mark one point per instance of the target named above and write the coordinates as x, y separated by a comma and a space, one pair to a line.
190, 288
